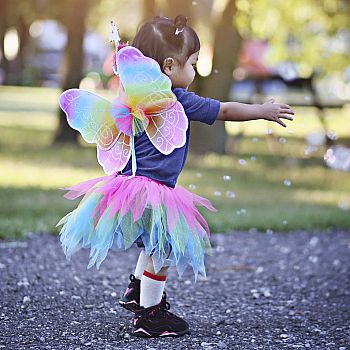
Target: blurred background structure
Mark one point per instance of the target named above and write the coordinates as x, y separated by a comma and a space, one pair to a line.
271, 178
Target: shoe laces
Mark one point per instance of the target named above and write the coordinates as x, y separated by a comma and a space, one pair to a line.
164, 304
159, 309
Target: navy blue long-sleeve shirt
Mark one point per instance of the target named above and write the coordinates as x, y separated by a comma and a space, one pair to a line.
167, 168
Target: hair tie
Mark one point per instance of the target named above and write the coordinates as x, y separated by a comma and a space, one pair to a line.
180, 23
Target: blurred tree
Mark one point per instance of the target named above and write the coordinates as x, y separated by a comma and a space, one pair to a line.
74, 16
149, 8
314, 34
227, 42
22, 27
94, 12
17, 14
20, 14
226, 47
4, 4
174, 8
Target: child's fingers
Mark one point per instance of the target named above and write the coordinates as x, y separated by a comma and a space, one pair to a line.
287, 110
284, 116
280, 122
285, 106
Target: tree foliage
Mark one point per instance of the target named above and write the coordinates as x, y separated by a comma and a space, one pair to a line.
315, 34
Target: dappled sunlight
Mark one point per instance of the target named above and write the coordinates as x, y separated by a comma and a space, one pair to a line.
31, 209
25, 174
29, 97
321, 197
267, 182
312, 177
281, 197
23, 121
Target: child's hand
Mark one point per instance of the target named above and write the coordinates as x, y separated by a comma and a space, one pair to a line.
274, 111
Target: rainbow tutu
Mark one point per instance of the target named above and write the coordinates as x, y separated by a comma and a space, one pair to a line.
118, 210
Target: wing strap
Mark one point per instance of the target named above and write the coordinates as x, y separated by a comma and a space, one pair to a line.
133, 154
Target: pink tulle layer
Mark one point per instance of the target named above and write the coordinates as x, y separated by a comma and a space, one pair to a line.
118, 210
135, 193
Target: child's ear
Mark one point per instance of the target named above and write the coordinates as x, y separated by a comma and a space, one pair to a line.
168, 65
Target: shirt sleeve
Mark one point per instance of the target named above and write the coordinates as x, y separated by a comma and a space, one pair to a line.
197, 108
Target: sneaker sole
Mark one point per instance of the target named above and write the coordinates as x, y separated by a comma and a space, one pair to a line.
142, 333
130, 305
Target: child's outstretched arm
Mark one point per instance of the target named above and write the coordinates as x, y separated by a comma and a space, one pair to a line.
239, 112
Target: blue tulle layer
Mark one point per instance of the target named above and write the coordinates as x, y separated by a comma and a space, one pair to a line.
116, 211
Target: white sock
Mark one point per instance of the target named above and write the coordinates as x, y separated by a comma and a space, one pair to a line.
141, 264
152, 287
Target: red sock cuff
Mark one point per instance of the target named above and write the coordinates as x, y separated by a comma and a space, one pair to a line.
154, 277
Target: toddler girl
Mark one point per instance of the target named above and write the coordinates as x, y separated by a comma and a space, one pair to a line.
141, 202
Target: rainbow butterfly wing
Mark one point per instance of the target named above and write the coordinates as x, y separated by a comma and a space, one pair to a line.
90, 114
167, 130
145, 85
117, 156
145, 94
149, 90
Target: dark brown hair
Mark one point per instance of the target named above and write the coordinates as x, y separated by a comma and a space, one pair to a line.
162, 37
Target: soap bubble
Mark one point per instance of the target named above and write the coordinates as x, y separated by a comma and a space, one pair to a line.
338, 158
332, 135
316, 139
192, 186
242, 162
253, 158
227, 177
230, 194
343, 205
217, 193
282, 140
329, 157
310, 149
287, 183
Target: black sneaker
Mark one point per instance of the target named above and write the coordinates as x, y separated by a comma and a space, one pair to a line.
130, 300
157, 321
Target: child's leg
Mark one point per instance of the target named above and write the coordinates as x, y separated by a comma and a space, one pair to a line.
152, 285
141, 264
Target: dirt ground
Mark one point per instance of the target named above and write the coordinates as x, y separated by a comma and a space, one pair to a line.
272, 290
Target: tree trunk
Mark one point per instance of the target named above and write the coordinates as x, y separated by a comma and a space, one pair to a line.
148, 9
75, 14
4, 64
227, 43
18, 65
178, 7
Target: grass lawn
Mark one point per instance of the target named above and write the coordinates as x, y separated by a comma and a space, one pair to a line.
269, 183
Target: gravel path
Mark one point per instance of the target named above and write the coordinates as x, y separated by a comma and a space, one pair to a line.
263, 291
